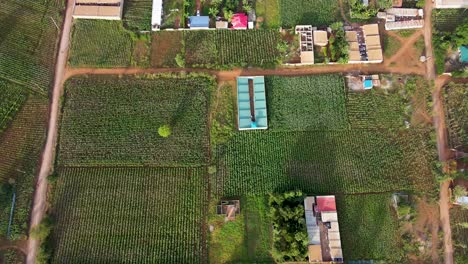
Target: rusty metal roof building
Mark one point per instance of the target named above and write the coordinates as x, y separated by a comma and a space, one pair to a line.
98, 9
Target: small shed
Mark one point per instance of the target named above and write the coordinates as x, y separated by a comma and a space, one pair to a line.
239, 21
464, 54
320, 38
199, 22
221, 24
229, 208
251, 103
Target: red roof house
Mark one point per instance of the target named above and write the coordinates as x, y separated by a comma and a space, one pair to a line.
239, 21
326, 203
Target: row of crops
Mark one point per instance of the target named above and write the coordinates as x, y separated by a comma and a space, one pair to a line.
309, 12
21, 144
137, 14
13, 97
231, 47
456, 110
98, 43
109, 121
459, 220
130, 215
28, 40
354, 161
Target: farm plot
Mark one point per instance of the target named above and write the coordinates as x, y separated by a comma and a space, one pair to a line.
306, 103
369, 228
21, 145
131, 215
111, 121
448, 19
28, 41
459, 219
375, 109
231, 48
98, 43
165, 47
456, 109
309, 12
137, 14
11, 99
353, 161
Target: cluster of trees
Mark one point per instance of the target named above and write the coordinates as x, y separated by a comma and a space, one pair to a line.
360, 11
289, 227
444, 41
228, 8
339, 47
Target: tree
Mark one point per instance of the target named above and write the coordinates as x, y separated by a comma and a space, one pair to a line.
213, 11
458, 192
228, 14
180, 61
164, 131
460, 37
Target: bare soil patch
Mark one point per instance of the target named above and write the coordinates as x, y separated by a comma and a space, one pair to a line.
165, 47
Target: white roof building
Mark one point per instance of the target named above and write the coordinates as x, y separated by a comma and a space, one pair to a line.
156, 15
451, 3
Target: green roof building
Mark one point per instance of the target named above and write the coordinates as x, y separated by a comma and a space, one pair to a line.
464, 54
251, 103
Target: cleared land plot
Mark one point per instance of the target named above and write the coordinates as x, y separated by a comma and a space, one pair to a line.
309, 12
112, 121
99, 43
12, 98
459, 217
247, 239
20, 148
231, 47
369, 228
456, 110
130, 215
306, 103
165, 47
137, 14
375, 109
28, 40
268, 13
355, 161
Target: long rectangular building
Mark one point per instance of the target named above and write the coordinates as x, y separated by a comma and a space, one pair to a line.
98, 9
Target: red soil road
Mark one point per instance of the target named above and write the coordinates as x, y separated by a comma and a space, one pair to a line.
40, 195
439, 124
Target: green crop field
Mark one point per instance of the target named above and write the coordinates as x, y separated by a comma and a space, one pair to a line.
459, 218
307, 103
456, 110
369, 228
448, 19
137, 14
98, 43
355, 161
231, 47
21, 144
107, 121
309, 12
139, 215
11, 99
28, 40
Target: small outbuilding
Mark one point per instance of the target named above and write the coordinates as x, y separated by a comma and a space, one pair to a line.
199, 22
239, 21
229, 208
320, 38
251, 103
222, 24
464, 54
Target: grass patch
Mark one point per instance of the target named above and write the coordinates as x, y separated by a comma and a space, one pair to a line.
98, 43
269, 11
405, 33
141, 215
137, 14
391, 46
309, 103
115, 121
309, 12
419, 46
165, 47
245, 240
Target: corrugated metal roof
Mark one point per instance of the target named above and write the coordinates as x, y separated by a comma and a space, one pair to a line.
199, 21
156, 14
259, 102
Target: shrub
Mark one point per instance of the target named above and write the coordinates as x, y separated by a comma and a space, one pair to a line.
164, 131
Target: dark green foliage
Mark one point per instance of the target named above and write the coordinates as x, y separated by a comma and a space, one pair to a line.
338, 44
28, 40
306, 103
11, 256
201, 47
456, 109
289, 226
137, 14
309, 12
115, 121
99, 43
369, 228
359, 11
140, 215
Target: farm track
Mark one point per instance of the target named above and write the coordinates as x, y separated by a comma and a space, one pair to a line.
39, 205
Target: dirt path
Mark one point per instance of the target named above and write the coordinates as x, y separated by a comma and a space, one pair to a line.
21, 245
408, 44
39, 201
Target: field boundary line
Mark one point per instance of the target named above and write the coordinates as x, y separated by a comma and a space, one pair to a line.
27, 86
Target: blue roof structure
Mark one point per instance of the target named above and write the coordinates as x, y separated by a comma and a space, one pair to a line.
199, 21
247, 87
368, 84
464, 54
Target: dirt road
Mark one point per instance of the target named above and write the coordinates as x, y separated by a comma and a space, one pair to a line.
39, 201
439, 124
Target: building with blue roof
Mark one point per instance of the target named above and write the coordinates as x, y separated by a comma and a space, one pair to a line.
368, 84
251, 103
464, 54
199, 22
